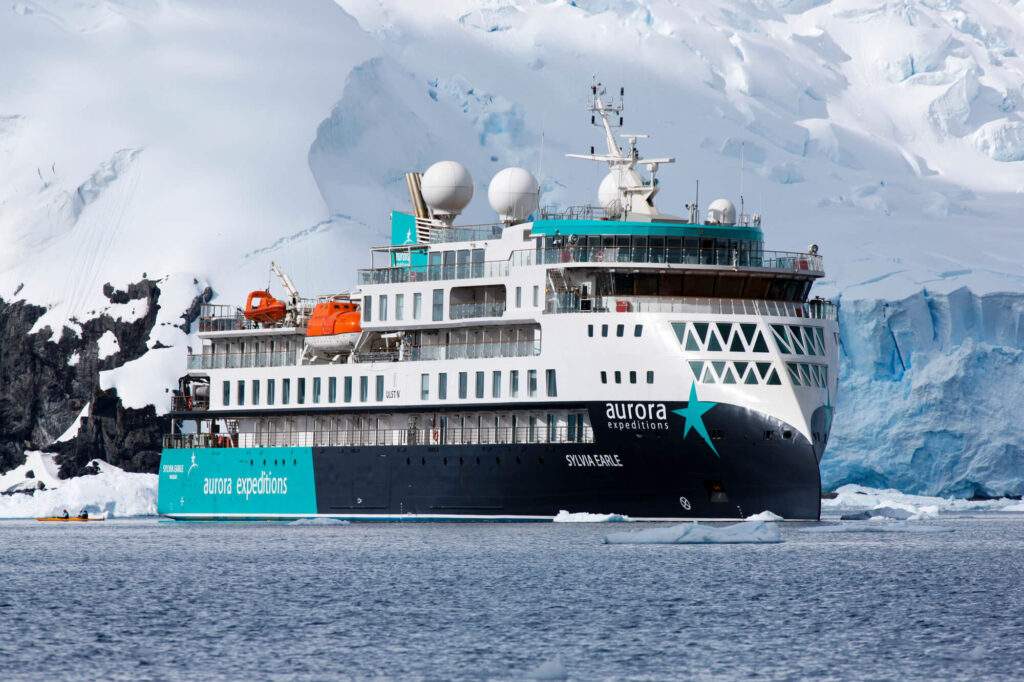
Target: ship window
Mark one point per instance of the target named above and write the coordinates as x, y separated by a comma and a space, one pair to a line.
773, 378
604, 377
463, 385
380, 388
552, 387
496, 384
531, 382
241, 392
552, 426
519, 297
618, 377
479, 385
438, 311
590, 330
650, 377
399, 306
348, 389
638, 330
478, 262
532, 433
301, 397
417, 304
536, 296
604, 330
513, 383
332, 389
286, 391
383, 308
270, 391
680, 329
620, 329
442, 386
316, 389
255, 391
632, 376
368, 308
424, 387
227, 393
364, 389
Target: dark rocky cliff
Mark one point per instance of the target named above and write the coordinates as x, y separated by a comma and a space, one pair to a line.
42, 389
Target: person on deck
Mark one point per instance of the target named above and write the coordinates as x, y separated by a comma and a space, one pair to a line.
65, 515
83, 514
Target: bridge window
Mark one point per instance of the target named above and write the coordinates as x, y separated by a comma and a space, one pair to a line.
531, 382
424, 387
316, 389
383, 308
364, 389
479, 385
463, 385
438, 305
496, 384
255, 391
270, 391
513, 383
417, 304
301, 391
380, 388
399, 306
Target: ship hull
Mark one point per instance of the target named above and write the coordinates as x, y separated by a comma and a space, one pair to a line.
645, 468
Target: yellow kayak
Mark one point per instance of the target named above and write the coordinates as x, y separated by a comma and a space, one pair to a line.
61, 518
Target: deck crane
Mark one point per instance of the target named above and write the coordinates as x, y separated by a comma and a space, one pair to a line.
298, 310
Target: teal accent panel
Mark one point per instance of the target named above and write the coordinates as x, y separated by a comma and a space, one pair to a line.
403, 232
548, 227
228, 481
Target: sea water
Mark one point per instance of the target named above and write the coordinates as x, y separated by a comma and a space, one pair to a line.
162, 600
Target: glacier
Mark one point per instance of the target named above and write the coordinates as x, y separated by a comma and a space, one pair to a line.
188, 143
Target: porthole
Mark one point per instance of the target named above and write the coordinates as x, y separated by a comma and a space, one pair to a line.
446, 461
477, 460
787, 434
408, 460
423, 461
264, 462
497, 460
517, 460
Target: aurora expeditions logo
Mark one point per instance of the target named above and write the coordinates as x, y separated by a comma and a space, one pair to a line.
637, 416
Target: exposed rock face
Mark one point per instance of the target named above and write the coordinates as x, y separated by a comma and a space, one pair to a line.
44, 384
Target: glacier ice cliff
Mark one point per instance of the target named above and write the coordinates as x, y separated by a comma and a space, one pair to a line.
930, 393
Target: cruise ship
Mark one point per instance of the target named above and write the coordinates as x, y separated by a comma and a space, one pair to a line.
607, 359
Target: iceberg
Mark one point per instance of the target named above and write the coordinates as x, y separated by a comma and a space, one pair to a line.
764, 516
111, 493
585, 517
549, 670
696, 534
876, 527
319, 521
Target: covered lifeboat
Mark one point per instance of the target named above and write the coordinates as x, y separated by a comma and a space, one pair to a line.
263, 308
333, 327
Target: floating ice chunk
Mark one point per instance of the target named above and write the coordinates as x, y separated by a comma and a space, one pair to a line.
549, 670
319, 521
764, 516
585, 517
694, 533
877, 527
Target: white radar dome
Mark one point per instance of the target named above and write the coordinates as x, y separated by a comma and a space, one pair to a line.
513, 194
609, 195
721, 212
447, 187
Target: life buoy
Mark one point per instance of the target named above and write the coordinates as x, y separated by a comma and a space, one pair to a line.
599, 257
435, 435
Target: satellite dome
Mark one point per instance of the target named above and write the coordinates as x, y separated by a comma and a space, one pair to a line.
447, 187
610, 196
513, 194
721, 212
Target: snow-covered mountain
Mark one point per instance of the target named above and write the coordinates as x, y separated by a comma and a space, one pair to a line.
195, 141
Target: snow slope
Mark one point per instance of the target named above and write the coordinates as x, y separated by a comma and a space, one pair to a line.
194, 141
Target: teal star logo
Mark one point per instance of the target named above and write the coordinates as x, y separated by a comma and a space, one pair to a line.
693, 413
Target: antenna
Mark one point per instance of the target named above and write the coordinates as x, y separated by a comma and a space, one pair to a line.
742, 145
540, 167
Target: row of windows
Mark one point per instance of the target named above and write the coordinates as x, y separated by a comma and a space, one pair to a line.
805, 374
480, 384
364, 388
384, 307
617, 376
728, 372
799, 339
620, 330
744, 337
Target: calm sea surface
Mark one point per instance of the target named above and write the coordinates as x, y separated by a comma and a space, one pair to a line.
151, 600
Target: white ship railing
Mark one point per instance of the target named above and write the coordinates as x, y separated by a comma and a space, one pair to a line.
282, 358
428, 273
454, 351
573, 303
772, 260
541, 433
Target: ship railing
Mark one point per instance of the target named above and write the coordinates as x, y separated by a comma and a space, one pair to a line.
428, 273
465, 233
462, 311
226, 318
454, 351
771, 260
188, 403
369, 437
572, 213
570, 302
280, 358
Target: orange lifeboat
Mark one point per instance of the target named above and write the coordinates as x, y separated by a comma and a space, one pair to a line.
263, 308
334, 326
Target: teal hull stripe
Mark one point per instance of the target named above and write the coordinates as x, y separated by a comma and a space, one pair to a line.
230, 483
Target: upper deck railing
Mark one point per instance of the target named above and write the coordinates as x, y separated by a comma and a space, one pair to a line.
224, 318
279, 358
425, 273
816, 309
773, 260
